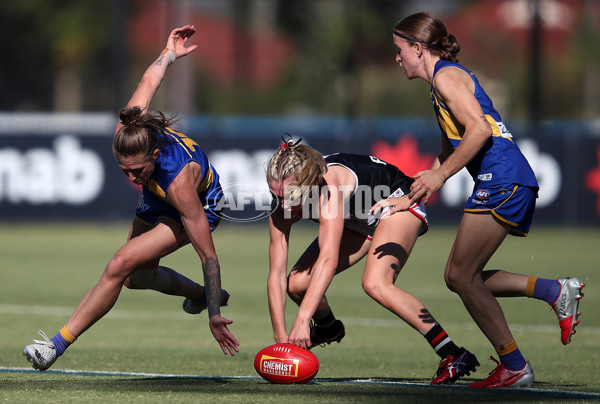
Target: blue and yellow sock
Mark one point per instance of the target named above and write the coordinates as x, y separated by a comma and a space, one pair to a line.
510, 356
62, 340
543, 289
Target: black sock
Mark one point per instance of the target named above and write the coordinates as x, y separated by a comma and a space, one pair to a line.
326, 321
441, 343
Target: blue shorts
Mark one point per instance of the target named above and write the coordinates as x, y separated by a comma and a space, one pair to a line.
509, 203
152, 210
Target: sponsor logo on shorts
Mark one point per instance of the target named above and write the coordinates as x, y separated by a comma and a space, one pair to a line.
482, 196
143, 206
485, 177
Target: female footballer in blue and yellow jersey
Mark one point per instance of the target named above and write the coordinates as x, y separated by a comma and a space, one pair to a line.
180, 194
498, 168
502, 203
176, 151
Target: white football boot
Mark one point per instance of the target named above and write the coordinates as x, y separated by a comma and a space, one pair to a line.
41, 354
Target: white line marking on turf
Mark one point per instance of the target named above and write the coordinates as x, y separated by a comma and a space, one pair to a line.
99, 373
121, 374
61, 311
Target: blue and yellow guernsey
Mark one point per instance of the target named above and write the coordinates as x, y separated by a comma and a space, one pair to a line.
500, 160
177, 150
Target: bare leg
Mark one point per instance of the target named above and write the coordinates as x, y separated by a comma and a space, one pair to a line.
478, 238
353, 248
160, 278
136, 253
505, 284
392, 244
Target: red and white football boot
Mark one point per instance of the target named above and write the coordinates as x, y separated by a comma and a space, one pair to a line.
452, 367
501, 377
566, 306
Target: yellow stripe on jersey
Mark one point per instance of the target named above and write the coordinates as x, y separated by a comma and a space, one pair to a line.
156, 189
182, 140
208, 179
204, 185
454, 130
450, 126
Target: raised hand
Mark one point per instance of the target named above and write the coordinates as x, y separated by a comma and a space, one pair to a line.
178, 39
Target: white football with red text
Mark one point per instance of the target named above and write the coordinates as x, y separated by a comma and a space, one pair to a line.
286, 364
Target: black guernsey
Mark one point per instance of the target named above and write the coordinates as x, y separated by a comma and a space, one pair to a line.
375, 180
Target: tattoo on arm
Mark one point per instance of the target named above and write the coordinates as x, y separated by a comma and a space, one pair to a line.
159, 61
212, 285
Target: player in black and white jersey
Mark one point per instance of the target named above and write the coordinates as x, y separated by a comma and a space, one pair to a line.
339, 192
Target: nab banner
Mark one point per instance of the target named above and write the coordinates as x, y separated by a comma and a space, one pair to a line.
67, 172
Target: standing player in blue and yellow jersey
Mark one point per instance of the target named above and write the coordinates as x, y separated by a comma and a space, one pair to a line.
180, 194
503, 199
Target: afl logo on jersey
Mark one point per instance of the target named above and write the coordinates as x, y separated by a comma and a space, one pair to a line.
482, 196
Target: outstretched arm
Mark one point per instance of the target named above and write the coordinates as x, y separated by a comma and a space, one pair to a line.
279, 237
154, 74
183, 196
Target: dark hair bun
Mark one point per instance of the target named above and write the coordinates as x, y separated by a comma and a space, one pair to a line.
130, 115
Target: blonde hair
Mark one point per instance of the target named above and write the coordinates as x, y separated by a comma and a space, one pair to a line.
299, 161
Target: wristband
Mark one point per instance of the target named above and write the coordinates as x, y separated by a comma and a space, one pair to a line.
169, 54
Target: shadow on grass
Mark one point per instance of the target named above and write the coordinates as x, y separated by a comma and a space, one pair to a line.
334, 390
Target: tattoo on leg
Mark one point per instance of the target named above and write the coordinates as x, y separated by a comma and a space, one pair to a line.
212, 285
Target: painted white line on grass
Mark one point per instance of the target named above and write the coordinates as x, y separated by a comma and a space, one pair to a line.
121, 374
539, 393
61, 311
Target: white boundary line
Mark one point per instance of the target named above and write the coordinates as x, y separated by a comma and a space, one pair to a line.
548, 393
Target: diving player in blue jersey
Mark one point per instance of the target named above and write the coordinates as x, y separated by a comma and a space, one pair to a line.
503, 199
338, 191
180, 193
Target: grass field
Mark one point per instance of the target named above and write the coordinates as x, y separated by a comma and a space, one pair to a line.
148, 350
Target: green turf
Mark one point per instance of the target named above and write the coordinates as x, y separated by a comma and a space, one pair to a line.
46, 269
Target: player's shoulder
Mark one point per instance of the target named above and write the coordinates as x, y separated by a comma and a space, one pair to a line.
451, 75
452, 81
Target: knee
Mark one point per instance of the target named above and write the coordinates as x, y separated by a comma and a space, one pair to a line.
450, 285
372, 288
295, 288
455, 282
294, 291
119, 268
119, 263
114, 270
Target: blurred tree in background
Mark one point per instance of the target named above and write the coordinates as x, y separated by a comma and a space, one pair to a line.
270, 57
56, 55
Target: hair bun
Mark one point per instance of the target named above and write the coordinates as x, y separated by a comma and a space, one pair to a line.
289, 142
130, 115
